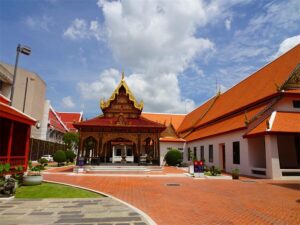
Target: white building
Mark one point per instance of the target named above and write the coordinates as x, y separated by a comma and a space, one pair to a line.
254, 126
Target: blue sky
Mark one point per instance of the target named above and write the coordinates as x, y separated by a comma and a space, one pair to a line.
172, 52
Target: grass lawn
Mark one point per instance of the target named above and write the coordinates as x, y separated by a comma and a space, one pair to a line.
49, 190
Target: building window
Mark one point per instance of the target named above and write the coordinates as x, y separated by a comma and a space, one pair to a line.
129, 152
236, 152
189, 154
118, 152
211, 153
296, 104
195, 153
202, 153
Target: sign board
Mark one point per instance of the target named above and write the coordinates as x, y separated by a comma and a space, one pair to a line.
81, 161
198, 166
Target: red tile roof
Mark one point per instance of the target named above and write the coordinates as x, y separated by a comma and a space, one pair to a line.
55, 121
101, 121
165, 118
260, 85
68, 118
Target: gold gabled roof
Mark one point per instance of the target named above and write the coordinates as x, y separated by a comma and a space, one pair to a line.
105, 104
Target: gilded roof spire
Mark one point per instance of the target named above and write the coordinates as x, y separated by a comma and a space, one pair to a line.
123, 75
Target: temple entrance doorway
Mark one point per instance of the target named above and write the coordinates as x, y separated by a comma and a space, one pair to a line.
120, 150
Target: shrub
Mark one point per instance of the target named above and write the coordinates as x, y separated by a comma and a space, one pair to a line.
184, 164
173, 157
43, 161
215, 171
70, 156
59, 157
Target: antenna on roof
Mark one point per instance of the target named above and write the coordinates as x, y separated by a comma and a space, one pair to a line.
218, 87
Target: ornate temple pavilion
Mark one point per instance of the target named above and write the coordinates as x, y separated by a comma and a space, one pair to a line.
121, 133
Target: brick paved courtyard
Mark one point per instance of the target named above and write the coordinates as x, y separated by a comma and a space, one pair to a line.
184, 200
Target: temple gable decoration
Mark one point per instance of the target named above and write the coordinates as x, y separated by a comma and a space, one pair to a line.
120, 99
293, 81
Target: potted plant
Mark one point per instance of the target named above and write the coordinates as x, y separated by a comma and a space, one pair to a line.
18, 175
235, 174
7, 185
33, 176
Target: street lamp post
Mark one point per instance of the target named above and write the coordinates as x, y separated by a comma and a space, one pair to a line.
26, 51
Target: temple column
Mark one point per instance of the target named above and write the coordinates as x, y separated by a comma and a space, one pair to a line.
99, 146
139, 147
27, 147
158, 149
10, 140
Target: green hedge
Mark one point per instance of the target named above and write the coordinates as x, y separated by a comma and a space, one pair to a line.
173, 157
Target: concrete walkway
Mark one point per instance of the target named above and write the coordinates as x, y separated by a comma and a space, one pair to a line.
96, 211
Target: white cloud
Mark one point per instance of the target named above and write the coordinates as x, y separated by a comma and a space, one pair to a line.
67, 102
42, 23
81, 29
228, 24
157, 41
102, 88
287, 44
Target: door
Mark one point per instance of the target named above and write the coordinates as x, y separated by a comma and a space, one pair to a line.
222, 154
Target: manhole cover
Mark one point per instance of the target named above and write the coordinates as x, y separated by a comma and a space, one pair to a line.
248, 181
173, 185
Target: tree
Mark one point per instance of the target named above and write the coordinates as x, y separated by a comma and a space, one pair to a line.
59, 157
71, 139
70, 155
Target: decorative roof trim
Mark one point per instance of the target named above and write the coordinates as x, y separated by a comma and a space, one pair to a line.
293, 81
271, 121
106, 104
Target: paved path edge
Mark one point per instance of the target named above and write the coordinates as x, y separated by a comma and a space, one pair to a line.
145, 215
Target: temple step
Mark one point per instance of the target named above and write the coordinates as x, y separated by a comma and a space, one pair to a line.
122, 168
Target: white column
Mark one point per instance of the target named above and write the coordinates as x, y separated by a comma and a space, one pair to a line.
272, 157
113, 155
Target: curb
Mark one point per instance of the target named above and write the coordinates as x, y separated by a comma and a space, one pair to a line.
147, 218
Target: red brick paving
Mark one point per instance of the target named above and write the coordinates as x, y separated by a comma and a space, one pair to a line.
200, 201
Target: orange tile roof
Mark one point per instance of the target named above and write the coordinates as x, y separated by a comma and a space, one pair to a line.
258, 86
193, 117
171, 139
259, 129
288, 122
165, 118
236, 122
295, 91
284, 122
